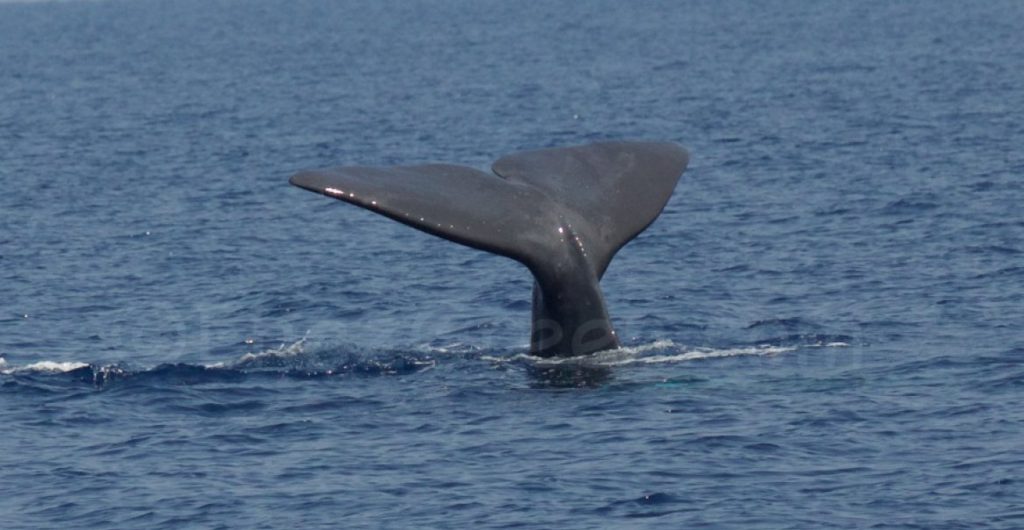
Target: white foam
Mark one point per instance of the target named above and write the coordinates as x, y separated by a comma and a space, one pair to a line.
634, 355
51, 366
281, 352
697, 354
55, 367
656, 345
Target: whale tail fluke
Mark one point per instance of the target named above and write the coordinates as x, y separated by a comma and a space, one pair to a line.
562, 212
615, 190
605, 193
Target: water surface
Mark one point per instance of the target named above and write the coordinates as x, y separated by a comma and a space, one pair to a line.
822, 329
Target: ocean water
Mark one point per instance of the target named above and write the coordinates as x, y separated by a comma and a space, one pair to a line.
822, 330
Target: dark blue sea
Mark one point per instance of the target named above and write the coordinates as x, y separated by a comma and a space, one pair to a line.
824, 329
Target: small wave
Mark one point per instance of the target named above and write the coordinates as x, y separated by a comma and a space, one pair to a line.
274, 356
51, 366
786, 323
909, 206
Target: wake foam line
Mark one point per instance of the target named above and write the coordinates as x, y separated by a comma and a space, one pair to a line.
634, 354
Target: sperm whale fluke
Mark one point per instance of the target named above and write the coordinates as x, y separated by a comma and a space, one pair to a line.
562, 212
